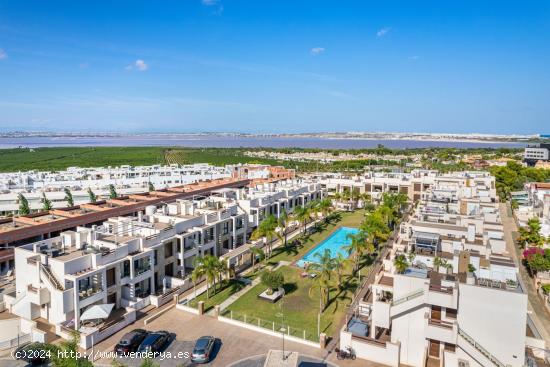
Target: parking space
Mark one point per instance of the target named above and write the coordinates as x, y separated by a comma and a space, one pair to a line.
235, 343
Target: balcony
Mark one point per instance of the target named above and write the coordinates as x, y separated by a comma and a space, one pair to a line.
87, 293
142, 269
441, 330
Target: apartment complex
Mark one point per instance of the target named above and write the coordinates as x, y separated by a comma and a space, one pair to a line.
126, 179
139, 260
536, 153
375, 183
453, 296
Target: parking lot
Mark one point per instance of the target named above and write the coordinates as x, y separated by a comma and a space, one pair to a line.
235, 343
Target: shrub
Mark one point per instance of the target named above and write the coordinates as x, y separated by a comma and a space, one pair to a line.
272, 280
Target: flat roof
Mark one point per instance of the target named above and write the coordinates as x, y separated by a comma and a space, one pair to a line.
9, 234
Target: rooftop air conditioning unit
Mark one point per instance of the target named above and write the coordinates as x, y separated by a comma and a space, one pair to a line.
462, 363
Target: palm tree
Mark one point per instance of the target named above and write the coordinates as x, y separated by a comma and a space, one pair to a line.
375, 226
356, 247
69, 197
324, 265
514, 204
324, 291
207, 266
325, 207
401, 264
24, 208
531, 234
256, 252
339, 262
282, 222
91, 195
268, 230
302, 214
323, 268
46, 203
112, 192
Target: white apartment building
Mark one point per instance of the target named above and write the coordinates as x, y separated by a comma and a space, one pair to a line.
375, 183
136, 261
458, 301
126, 179
275, 197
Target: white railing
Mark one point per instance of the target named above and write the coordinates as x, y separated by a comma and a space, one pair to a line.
480, 348
15, 342
408, 297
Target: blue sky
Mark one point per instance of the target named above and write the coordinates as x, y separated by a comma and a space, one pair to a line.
275, 66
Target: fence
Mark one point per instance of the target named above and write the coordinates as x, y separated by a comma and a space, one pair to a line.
273, 326
22, 339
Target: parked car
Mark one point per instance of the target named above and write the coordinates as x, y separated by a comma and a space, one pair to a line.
202, 352
33, 353
131, 341
155, 342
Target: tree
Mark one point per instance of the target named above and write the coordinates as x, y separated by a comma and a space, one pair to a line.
65, 354
91, 196
272, 280
356, 247
112, 192
256, 252
514, 204
46, 203
325, 207
302, 214
401, 264
24, 208
376, 228
69, 197
530, 234
151, 186
323, 268
208, 267
282, 223
339, 262
268, 230
538, 263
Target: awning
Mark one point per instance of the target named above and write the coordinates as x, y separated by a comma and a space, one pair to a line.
97, 312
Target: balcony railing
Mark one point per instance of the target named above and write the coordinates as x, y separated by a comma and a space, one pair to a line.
441, 289
142, 269
440, 323
83, 294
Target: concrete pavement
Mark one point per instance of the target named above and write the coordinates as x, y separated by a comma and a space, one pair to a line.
538, 312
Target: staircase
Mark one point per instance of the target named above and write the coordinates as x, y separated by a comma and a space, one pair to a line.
52, 280
407, 302
484, 352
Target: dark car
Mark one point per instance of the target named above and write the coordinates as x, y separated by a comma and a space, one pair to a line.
155, 342
33, 354
202, 352
130, 342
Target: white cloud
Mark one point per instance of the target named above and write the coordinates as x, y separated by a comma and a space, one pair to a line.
3, 54
383, 31
139, 65
210, 2
317, 50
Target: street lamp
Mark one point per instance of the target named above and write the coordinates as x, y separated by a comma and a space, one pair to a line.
282, 316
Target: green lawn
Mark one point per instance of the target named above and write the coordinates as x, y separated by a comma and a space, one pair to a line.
301, 304
228, 288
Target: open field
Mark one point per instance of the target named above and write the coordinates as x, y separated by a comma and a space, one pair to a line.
301, 303
61, 158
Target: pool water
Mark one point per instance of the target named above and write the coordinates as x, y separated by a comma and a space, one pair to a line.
335, 243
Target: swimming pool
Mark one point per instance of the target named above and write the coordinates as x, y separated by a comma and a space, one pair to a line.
335, 243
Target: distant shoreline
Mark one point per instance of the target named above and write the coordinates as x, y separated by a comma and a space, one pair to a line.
241, 141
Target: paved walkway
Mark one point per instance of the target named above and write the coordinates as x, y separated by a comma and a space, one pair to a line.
538, 312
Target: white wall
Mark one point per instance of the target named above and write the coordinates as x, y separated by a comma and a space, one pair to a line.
496, 319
